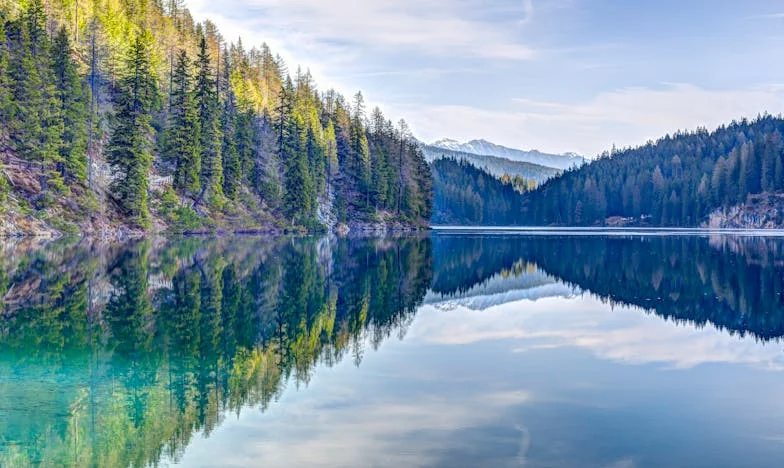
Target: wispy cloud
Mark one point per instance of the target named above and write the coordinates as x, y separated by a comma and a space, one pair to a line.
418, 72
623, 117
453, 67
767, 16
435, 27
626, 334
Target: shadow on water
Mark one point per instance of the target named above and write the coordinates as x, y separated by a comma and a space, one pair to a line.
119, 355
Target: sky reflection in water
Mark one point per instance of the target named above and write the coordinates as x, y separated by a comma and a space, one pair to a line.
448, 350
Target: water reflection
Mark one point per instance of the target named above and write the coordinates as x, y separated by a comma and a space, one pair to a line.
116, 357
735, 283
122, 355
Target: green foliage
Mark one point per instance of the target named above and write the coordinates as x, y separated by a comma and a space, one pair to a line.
676, 181
467, 195
183, 135
35, 119
211, 141
236, 126
73, 98
193, 331
168, 202
4, 188
129, 146
65, 227
184, 219
6, 104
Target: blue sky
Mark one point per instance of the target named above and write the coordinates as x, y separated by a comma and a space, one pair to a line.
555, 75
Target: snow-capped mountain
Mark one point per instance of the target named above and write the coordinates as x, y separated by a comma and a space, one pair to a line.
500, 289
492, 164
484, 147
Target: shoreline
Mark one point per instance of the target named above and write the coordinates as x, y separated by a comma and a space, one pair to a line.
607, 231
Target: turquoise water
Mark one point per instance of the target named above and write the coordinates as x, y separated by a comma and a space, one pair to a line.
453, 349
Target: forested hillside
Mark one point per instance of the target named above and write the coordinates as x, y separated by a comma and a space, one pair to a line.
494, 165
129, 114
466, 195
675, 181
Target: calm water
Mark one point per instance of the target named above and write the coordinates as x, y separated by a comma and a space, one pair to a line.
454, 349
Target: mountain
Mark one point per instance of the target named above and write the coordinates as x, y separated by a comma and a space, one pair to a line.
494, 165
484, 147
502, 289
679, 180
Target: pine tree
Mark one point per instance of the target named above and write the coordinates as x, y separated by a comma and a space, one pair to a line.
182, 135
331, 156
5, 81
379, 178
72, 97
232, 167
246, 141
129, 146
209, 122
35, 125
298, 186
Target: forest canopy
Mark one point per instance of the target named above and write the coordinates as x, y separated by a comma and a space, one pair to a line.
136, 112
675, 181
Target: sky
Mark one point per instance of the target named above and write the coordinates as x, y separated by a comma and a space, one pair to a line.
552, 75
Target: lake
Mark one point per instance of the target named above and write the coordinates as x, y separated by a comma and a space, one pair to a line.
475, 348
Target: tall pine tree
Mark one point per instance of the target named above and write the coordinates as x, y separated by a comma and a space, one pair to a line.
209, 122
72, 96
129, 146
183, 136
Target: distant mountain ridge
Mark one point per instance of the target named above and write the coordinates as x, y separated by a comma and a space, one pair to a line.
484, 147
494, 165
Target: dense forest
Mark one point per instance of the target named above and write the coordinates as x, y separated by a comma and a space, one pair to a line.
466, 195
675, 181
128, 112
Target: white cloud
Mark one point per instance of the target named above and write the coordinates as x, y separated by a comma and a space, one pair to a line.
624, 117
625, 334
434, 26
334, 425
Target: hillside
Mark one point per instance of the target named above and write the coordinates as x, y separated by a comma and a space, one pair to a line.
484, 147
125, 117
466, 195
676, 181
494, 165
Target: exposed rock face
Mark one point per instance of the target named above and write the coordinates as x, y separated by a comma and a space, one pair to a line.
763, 211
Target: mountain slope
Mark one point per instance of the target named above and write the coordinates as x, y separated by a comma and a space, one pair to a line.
676, 181
466, 195
492, 164
132, 118
484, 147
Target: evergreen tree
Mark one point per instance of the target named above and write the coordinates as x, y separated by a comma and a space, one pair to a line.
36, 125
129, 146
209, 122
6, 110
676, 181
236, 124
360, 150
73, 98
183, 136
331, 156
232, 166
298, 187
